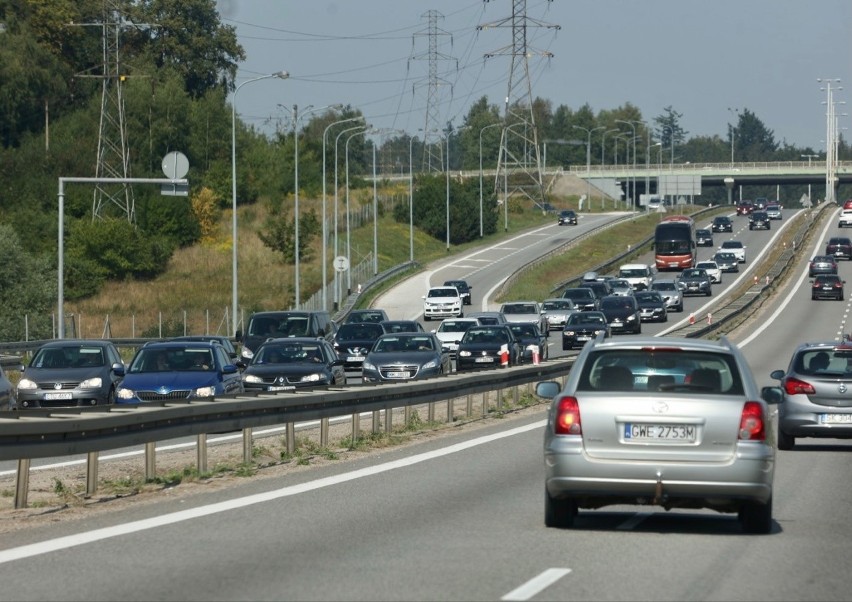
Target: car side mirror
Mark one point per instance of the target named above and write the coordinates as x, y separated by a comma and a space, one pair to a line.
772, 395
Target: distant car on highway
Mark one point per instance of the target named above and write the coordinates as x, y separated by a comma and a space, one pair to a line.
567, 217
531, 340
464, 290
442, 302
556, 311
712, 268
670, 292
366, 315
652, 306
525, 311
582, 327
452, 330
722, 223
483, 347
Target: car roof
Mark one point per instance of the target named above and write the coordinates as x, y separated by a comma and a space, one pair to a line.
67, 342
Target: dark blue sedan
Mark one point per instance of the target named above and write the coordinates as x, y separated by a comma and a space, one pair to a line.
179, 371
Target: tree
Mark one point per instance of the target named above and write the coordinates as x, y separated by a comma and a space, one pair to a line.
186, 36
668, 128
753, 141
27, 290
279, 235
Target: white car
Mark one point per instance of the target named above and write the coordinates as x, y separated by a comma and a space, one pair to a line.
638, 274
713, 270
736, 247
556, 312
845, 219
451, 331
442, 302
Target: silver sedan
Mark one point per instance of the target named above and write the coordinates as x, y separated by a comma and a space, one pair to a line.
673, 422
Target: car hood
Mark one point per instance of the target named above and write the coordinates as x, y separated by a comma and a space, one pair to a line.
170, 381
296, 369
64, 374
618, 313
404, 357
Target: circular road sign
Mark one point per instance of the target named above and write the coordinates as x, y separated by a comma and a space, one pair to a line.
341, 263
175, 165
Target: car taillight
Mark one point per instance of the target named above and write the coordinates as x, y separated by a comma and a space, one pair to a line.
794, 386
567, 421
838, 285
752, 423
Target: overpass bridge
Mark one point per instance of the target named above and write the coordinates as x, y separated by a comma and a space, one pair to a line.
680, 178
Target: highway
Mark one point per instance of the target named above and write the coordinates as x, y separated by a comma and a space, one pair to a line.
460, 517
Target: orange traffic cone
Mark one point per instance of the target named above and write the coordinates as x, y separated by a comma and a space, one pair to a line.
504, 356
691, 318
535, 358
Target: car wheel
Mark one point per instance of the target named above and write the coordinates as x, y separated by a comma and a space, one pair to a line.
680, 307
559, 513
756, 518
785, 442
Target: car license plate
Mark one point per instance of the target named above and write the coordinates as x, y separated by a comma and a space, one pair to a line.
584, 338
484, 360
57, 396
835, 418
355, 358
659, 432
397, 374
280, 388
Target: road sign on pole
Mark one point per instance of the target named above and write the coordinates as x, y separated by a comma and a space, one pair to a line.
341, 263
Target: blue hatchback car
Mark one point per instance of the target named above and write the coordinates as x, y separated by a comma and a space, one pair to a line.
179, 371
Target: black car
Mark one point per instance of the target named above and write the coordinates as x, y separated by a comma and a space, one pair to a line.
839, 247
222, 340
827, 286
704, 237
727, 261
622, 313
582, 327
601, 288
722, 223
402, 326
822, 264
759, 220
373, 316
652, 306
695, 281
567, 217
293, 363
70, 372
353, 342
488, 347
532, 340
464, 290
584, 298
406, 356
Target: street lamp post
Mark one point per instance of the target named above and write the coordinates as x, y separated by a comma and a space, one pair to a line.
603, 155
234, 295
809, 166
336, 210
411, 198
297, 250
633, 193
733, 130
348, 227
324, 197
830, 125
481, 228
589, 159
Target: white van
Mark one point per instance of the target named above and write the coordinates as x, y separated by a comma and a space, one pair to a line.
638, 274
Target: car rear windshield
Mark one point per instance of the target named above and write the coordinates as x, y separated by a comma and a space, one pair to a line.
824, 361
677, 370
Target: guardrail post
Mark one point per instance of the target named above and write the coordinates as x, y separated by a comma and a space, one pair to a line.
91, 473
377, 421
323, 432
22, 484
469, 406
388, 419
291, 438
516, 395
356, 429
484, 403
499, 399
407, 415
451, 410
201, 454
150, 461
247, 445
430, 418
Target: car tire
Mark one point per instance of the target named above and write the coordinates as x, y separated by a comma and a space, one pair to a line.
756, 518
680, 308
785, 442
559, 514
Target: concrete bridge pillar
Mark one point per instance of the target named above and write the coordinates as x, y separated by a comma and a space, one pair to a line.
729, 184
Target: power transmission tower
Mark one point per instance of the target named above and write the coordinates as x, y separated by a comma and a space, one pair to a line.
519, 150
433, 155
113, 153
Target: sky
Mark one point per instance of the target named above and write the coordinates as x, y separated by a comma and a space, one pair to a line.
704, 59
